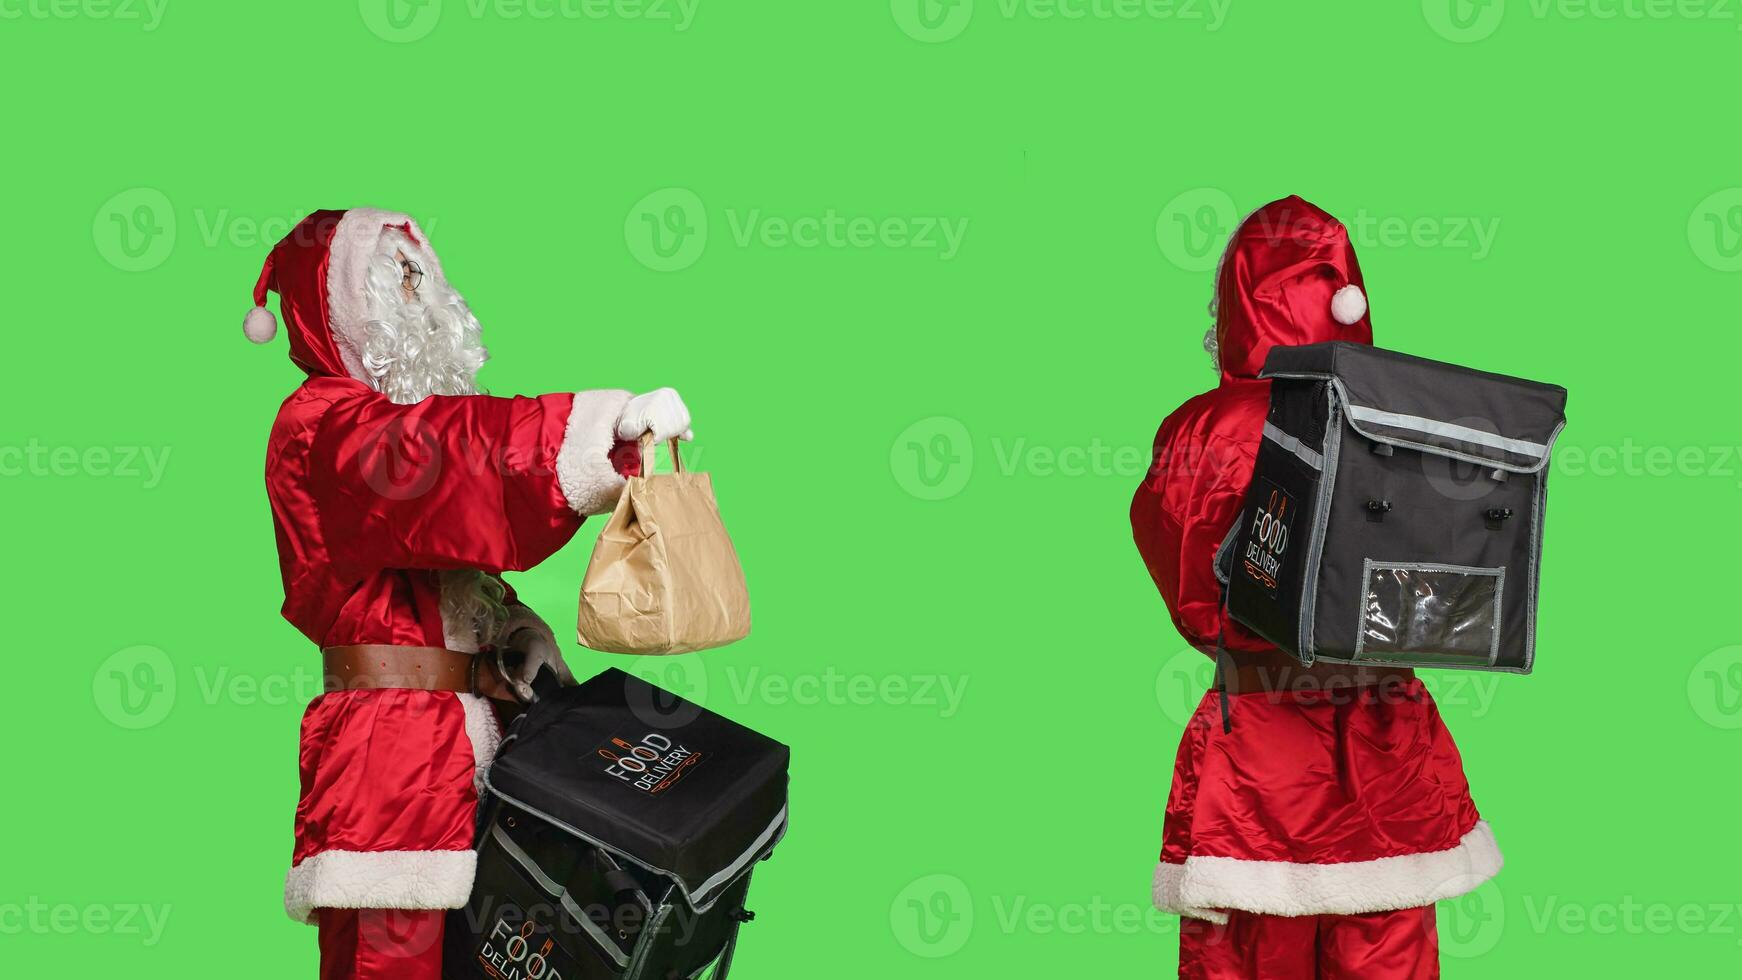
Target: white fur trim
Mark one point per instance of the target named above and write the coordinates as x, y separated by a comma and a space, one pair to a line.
259, 325
483, 732
353, 245
1349, 305
379, 880
583, 464
1203, 885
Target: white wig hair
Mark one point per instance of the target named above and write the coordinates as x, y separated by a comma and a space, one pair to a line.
473, 604
430, 344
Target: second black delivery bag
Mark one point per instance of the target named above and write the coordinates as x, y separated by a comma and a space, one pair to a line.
1395, 513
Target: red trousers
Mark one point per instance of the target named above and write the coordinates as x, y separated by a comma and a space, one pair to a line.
1379, 946
377, 944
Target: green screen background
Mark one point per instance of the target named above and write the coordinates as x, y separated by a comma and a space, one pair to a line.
924, 452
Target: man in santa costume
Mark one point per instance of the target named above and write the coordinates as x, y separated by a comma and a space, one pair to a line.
399, 495
1310, 836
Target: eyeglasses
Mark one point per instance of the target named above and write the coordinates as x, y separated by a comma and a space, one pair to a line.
413, 277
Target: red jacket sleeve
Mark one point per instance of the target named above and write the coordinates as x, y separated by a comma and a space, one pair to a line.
470, 481
1179, 515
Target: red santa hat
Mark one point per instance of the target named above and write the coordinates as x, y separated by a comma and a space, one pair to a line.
1288, 277
318, 271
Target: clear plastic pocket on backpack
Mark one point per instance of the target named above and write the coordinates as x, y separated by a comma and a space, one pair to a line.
1430, 614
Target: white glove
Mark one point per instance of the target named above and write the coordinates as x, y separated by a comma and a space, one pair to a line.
660, 412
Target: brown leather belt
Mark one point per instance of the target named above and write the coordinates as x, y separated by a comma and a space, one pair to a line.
370, 666
1276, 674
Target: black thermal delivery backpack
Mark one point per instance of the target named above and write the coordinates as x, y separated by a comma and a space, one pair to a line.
618, 830
1395, 512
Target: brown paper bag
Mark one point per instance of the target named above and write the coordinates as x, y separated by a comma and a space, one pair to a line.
664, 577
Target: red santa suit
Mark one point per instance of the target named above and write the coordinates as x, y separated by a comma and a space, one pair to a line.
1344, 809
372, 503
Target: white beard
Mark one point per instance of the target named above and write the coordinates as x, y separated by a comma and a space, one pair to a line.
428, 345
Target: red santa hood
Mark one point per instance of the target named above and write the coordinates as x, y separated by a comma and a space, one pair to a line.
1288, 277
318, 272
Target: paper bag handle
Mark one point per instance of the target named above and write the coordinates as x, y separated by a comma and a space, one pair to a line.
647, 449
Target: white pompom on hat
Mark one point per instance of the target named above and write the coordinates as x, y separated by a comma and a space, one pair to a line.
260, 325
1349, 305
